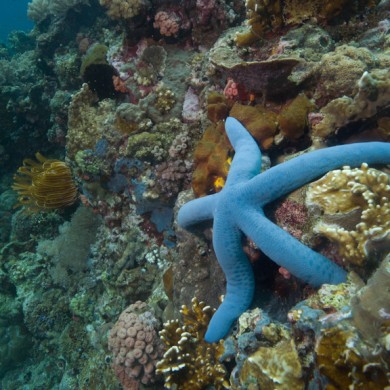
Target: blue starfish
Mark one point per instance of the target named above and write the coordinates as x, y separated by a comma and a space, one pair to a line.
238, 210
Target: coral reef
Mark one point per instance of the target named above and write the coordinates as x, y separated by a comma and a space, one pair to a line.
344, 364
277, 367
211, 161
85, 121
334, 78
167, 23
130, 98
39, 10
238, 210
124, 9
70, 250
373, 94
135, 346
370, 308
189, 362
264, 16
356, 212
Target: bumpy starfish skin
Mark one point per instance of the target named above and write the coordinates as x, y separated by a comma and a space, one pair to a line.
238, 210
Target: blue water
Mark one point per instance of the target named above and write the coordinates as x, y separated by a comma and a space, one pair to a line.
13, 16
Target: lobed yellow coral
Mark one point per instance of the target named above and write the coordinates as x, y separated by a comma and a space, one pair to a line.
190, 363
123, 9
275, 366
217, 107
360, 195
44, 184
371, 308
264, 15
292, 119
340, 359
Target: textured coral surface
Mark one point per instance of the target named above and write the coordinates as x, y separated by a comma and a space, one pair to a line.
127, 100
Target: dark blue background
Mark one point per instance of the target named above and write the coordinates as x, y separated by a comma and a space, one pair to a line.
13, 16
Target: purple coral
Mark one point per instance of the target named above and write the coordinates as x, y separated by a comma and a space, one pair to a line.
291, 216
172, 176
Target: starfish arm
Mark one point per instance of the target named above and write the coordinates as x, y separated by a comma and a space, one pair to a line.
247, 159
197, 211
240, 283
288, 252
292, 174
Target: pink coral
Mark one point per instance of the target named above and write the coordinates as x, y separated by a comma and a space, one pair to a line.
291, 216
235, 91
172, 176
135, 346
167, 22
231, 89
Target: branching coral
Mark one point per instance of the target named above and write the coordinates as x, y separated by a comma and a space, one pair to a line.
44, 184
360, 195
189, 362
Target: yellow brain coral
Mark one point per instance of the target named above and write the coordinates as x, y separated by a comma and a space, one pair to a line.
189, 362
44, 184
356, 209
123, 9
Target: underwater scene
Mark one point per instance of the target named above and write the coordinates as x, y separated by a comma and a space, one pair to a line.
194, 194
